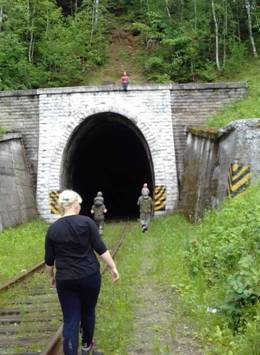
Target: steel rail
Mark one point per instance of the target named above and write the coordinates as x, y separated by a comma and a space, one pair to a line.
22, 277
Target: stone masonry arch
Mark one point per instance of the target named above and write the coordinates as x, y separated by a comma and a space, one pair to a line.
61, 115
57, 156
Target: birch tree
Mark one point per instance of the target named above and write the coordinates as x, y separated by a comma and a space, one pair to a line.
167, 8
225, 31
216, 34
248, 10
1, 17
30, 16
94, 18
195, 14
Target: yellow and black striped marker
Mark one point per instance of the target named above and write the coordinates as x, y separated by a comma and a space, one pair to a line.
238, 178
159, 198
53, 202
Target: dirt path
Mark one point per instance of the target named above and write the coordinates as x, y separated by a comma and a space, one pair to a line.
121, 56
156, 330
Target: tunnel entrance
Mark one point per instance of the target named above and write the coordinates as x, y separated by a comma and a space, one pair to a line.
108, 153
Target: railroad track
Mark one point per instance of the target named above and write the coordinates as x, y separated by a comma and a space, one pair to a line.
30, 316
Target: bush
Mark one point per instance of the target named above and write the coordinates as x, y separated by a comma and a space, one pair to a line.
226, 253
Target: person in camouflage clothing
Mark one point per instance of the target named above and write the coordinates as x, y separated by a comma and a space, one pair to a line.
98, 209
145, 204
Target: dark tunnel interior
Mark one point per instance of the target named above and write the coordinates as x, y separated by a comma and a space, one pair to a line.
108, 153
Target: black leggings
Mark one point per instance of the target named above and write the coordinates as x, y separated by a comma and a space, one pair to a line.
78, 299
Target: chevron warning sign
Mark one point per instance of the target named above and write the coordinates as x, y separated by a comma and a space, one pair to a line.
159, 198
53, 202
239, 176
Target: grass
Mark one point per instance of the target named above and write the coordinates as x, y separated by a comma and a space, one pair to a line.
246, 108
122, 52
115, 312
181, 256
21, 248
115, 307
2, 131
173, 243
121, 57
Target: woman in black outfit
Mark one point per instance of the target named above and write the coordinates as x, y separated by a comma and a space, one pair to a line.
70, 244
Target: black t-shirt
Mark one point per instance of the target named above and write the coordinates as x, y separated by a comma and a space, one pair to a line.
70, 243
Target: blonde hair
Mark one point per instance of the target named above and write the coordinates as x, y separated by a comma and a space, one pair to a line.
68, 197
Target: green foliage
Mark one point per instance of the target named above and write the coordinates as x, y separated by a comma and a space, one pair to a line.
41, 47
183, 36
226, 253
116, 303
2, 131
243, 291
247, 108
58, 43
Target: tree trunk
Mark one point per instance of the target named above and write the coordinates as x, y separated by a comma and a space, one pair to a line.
167, 8
216, 34
248, 10
31, 12
225, 33
238, 25
94, 18
31, 47
47, 21
181, 11
195, 14
1, 17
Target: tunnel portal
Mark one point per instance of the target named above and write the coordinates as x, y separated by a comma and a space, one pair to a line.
108, 153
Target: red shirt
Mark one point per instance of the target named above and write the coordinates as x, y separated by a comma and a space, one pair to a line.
124, 79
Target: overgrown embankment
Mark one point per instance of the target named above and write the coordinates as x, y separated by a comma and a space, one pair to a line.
248, 107
209, 274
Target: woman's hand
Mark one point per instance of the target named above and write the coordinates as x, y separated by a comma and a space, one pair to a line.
114, 274
106, 256
52, 281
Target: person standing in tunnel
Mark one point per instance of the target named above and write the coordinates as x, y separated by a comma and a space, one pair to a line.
98, 210
145, 191
145, 204
70, 245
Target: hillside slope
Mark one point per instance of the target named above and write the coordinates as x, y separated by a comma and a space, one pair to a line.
122, 53
245, 108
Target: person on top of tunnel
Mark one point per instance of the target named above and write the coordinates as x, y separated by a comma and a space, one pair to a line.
70, 245
145, 204
125, 81
98, 209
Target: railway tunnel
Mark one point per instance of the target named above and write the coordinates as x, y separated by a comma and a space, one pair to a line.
108, 153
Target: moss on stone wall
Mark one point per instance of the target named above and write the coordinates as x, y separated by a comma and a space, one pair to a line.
209, 133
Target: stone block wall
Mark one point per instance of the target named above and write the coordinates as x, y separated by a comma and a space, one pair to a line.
17, 203
19, 112
192, 104
187, 105
218, 164
199, 185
